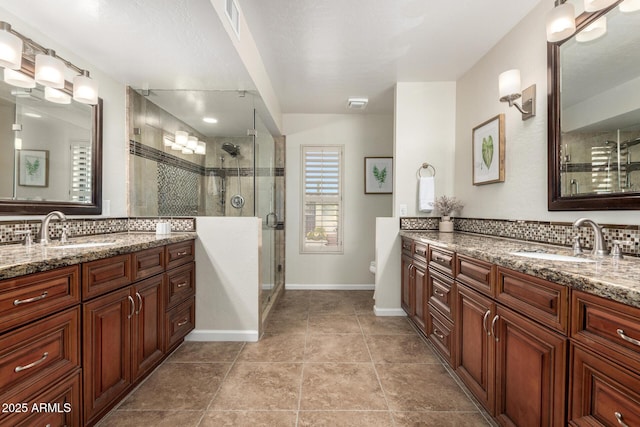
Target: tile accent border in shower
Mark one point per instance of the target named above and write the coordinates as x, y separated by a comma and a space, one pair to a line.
91, 226
556, 233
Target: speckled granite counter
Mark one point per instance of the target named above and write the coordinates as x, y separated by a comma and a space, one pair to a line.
18, 260
618, 280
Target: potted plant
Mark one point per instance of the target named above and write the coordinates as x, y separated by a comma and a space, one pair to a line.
445, 206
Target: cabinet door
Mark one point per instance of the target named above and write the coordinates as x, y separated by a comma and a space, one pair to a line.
420, 301
148, 324
530, 372
107, 350
407, 285
475, 349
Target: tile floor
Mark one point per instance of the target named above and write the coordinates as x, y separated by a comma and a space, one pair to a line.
324, 360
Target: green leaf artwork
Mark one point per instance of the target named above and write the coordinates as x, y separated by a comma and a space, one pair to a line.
380, 175
32, 168
487, 151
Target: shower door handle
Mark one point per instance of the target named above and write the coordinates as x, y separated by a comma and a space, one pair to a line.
275, 219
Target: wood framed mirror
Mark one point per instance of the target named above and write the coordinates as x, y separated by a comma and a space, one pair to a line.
594, 115
50, 153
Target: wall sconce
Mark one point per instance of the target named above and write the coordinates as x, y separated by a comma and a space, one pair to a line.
509, 89
49, 67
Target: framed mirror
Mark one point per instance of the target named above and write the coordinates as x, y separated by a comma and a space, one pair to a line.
594, 114
50, 153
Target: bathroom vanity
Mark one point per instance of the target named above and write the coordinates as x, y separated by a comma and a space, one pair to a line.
537, 342
81, 325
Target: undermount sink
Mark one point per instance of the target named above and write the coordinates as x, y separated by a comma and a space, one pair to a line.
82, 245
551, 257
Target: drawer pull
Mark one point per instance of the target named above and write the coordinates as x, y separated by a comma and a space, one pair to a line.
183, 322
139, 303
32, 364
484, 322
133, 307
493, 327
182, 253
626, 338
420, 252
182, 285
438, 293
34, 299
438, 334
619, 417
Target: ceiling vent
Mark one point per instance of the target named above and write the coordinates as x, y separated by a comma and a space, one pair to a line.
357, 103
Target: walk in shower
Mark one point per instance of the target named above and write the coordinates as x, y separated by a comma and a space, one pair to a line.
240, 173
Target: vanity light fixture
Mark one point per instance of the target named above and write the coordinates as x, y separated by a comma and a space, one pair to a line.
181, 138
10, 47
561, 21
56, 96
629, 6
85, 89
596, 5
49, 67
176, 147
167, 141
509, 89
201, 148
18, 79
186, 150
593, 31
192, 143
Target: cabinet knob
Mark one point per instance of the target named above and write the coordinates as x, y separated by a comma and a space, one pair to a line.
620, 420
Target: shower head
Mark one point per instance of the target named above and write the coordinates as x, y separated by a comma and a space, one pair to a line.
230, 148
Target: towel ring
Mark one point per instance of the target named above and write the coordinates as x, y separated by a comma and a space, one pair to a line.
425, 166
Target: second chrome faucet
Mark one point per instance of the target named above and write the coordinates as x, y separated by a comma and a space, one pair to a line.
44, 227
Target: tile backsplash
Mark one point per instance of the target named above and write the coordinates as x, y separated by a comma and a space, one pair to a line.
557, 233
89, 226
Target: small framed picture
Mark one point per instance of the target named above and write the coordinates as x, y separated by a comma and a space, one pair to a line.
33, 168
378, 175
488, 151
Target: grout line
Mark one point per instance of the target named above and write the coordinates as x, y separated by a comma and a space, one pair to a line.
304, 352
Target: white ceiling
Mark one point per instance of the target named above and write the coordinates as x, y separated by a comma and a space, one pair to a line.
316, 52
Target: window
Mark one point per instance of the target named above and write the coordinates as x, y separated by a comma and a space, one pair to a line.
322, 211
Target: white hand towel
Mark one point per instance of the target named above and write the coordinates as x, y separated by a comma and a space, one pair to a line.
426, 193
212, 185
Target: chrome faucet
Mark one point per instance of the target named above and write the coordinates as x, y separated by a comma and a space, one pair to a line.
599, 245
44, 228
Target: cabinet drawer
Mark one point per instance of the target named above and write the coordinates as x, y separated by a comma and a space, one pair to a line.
44, 351
31, 297
442, 260
56, 406
608, 327
476, 274
441, 293
544, 301
440, 332
181, 284
179, 253
147, 263
407, 246
179, 322
104, 275
420, 252
601, 393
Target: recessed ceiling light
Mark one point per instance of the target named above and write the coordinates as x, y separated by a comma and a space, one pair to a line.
210, 120
357, 103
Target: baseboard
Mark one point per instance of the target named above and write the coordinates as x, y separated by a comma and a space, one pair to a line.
328, 287
389, 311
207, 335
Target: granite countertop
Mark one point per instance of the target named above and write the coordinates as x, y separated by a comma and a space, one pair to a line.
618, 280
17, 260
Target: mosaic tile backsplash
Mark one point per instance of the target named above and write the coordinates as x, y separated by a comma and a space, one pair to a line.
88, 227
556, 233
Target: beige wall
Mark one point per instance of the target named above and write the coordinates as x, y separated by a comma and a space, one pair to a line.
523, 195
362, 135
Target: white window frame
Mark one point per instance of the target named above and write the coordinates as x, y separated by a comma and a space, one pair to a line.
334, 242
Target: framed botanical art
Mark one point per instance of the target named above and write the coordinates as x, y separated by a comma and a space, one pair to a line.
378, 175
33, 168
488, 151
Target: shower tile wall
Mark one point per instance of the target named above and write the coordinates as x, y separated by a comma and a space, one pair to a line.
178, 191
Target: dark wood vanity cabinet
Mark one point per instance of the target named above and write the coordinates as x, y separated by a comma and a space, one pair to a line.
414, 284
79, 338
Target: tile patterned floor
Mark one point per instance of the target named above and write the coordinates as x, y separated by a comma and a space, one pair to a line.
325, 360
